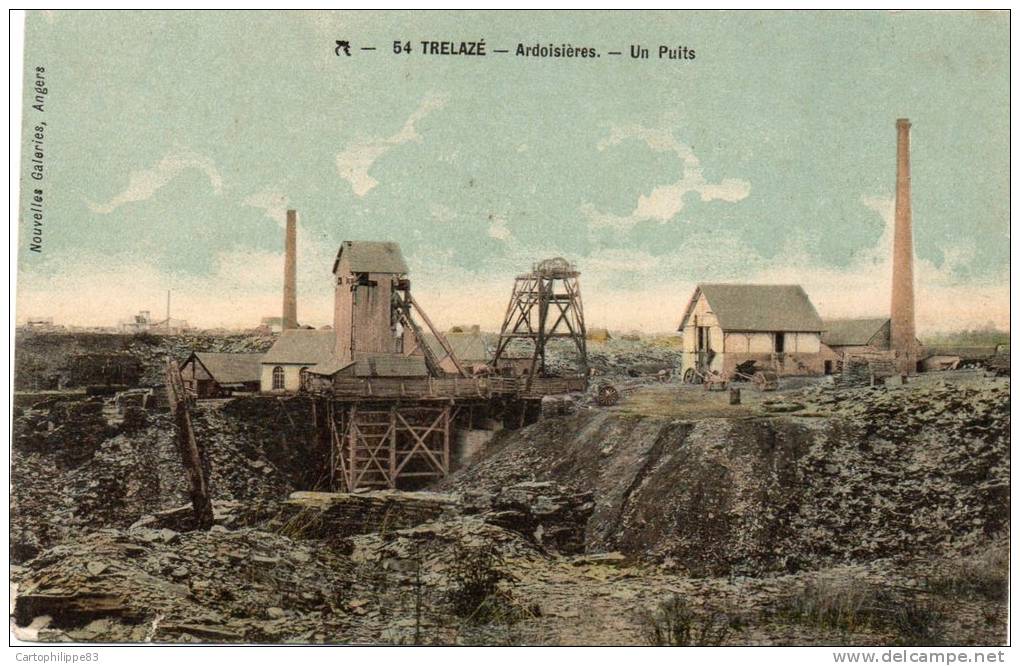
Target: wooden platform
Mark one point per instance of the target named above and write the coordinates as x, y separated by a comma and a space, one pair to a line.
447, 388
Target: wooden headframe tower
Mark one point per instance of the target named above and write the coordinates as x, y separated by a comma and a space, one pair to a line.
545, 305
389, 430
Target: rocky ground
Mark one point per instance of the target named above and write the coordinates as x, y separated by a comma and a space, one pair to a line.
43, 360
814, 515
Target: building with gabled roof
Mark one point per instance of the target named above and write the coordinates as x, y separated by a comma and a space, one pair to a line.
216, 374
296, 351
368, 275
373, 333
371, 257
768, 326
857, 335
468, 346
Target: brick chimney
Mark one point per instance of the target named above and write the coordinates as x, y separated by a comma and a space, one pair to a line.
902, 307
290, 273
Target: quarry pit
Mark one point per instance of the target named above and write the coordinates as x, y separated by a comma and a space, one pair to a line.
813, 515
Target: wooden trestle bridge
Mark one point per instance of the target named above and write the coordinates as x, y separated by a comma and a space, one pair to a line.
382, 430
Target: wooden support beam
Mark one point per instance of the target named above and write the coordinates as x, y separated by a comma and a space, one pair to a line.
180, 404
443, 342
393, 447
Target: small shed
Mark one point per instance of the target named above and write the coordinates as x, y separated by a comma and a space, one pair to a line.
857, 335
215, 374
374, 364
469, 347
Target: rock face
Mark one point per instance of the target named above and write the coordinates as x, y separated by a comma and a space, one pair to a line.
72, 470
320, 515
44, 360
146, 584
880, 473
546, 513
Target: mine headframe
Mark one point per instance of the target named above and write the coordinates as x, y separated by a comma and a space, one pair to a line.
403, 306
545, 305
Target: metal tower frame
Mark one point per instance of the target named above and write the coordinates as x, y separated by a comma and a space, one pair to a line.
551, 292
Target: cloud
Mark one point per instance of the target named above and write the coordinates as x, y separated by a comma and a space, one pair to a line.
623, 288
274, 205
946, 298
442, 213
664, 201
498, 228
630, 288
355, 161
146, 182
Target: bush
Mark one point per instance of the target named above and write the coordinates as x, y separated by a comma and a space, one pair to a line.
673, 623
481, 587
850, 607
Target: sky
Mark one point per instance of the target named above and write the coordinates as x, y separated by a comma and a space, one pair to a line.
175, 142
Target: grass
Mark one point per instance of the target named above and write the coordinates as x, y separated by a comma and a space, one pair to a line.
985, 576
856, 607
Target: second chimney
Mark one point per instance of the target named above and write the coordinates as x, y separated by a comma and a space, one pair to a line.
290, 273
902, 306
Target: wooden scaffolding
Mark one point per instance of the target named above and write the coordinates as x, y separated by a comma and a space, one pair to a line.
375, 445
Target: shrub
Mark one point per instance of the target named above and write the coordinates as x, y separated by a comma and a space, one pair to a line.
673, 623
849, 607
481, 586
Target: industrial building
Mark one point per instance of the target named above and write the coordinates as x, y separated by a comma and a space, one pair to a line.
295, 352
855, 336
216, 375
396, 394
729, 325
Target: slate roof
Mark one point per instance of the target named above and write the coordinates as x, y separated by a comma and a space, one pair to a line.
301, 346
376, 364
368, 364
852, 332
469, 347
228, 368
758, 307
372, 257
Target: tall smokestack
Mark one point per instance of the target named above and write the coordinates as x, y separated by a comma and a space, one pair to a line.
290, 273
902, 308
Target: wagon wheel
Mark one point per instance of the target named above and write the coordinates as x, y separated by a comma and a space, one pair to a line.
689, 376
607, 395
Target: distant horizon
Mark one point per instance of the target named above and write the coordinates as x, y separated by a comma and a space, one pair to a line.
743, 165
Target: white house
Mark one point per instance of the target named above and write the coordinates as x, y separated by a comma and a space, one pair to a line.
728, 325
295, 351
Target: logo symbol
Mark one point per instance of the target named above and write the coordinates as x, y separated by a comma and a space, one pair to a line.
343, 45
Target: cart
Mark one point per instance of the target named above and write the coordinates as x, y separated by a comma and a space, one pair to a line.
763, 380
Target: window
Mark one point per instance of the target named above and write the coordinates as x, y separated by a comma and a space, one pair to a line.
702, 344
278, 384
780, 343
